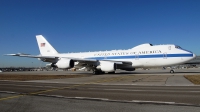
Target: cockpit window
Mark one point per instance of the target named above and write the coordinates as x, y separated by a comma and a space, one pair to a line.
178, 47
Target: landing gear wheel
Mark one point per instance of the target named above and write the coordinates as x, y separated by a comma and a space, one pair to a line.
171, 71
102, 72
111, 72
95, 72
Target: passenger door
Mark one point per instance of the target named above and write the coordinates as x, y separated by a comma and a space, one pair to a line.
165, 56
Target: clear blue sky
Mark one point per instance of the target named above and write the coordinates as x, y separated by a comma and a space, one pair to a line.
92, 25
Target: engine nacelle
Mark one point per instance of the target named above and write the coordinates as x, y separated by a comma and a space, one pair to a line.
107, 66
65, 63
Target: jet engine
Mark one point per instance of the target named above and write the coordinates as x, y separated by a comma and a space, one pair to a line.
107, 66
65, 63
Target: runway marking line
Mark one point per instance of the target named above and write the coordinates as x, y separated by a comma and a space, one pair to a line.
11, 97
68, 87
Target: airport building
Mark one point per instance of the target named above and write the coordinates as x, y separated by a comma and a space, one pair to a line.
193, 63
196, 60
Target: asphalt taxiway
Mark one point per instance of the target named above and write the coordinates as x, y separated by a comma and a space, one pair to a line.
142, 90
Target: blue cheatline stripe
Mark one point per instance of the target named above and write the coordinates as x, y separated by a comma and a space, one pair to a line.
141, 56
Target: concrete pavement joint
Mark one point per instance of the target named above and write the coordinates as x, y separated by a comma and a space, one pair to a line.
123, 101
102, 99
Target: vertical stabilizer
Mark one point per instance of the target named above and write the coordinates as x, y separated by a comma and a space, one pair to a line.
44, 46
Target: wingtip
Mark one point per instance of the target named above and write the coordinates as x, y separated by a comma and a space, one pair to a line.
10, 54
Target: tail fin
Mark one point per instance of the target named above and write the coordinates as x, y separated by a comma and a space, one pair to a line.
44, 46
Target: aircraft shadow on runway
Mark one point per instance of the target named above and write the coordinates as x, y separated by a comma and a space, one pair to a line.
143, 72
164, 72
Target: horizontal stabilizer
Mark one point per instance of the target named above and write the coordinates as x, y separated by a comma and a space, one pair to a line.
18, 54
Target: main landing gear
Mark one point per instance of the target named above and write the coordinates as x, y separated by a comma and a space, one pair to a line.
96, 72
111, 72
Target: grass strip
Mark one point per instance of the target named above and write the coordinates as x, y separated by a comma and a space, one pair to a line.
195, 79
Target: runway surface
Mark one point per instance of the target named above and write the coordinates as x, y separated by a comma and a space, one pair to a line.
52, 104
153, 92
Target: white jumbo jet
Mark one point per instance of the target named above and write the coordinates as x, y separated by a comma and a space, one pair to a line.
142, 56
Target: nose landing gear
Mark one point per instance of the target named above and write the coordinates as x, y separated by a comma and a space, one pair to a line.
172, 71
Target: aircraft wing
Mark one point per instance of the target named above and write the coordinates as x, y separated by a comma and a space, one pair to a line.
55, 58
29, 56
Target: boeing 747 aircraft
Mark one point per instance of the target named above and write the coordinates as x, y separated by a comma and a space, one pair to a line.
142, 56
